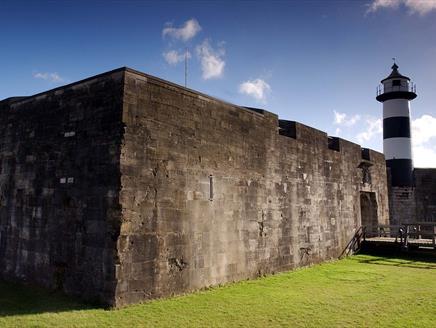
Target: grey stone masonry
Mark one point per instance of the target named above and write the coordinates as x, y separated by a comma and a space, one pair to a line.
425, 194
125, 187
402, 205
59, 187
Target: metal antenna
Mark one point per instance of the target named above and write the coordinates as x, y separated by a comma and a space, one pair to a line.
186, 67
393, 58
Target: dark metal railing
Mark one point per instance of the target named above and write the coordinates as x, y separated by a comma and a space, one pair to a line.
411, 87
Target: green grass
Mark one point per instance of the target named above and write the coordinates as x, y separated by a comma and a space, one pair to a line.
362, 291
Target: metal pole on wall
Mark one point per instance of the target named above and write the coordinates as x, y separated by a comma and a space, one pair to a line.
186, 67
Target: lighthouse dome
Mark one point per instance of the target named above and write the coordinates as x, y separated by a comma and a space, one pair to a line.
395, 74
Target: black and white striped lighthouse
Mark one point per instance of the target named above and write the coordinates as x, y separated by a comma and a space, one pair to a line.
395, 92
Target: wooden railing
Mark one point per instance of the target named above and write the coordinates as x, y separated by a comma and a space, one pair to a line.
355, 243
422, 230
383, 230
406, 232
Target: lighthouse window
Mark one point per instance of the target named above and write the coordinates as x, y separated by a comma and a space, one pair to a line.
396, 83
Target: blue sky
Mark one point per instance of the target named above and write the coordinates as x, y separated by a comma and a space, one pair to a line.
316, 62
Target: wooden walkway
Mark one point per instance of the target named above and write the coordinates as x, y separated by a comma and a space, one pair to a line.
406, 236
391, 240
417, 237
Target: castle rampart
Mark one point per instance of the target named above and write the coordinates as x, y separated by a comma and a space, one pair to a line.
125, 187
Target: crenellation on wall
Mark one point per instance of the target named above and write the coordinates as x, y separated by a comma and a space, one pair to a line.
288, 128
334, 143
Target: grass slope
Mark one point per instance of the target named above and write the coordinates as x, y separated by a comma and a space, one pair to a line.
362, 291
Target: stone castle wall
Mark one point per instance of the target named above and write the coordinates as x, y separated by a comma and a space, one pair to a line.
212, 192
172, 190
425, 194
59, 186
402, 205
417, 203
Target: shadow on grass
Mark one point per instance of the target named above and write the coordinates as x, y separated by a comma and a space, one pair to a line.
416, 261
17, 299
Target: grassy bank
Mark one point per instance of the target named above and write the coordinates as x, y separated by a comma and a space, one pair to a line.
360, 291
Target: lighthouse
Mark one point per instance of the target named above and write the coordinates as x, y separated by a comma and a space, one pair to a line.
395, 92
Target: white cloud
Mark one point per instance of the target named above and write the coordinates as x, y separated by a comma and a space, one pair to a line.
424, 141
344, 120
258, 89
339, 117
421, 7
373, 128
380, 4
212, 62
185, 32
52, 77
173, 57
423, 129
424, 156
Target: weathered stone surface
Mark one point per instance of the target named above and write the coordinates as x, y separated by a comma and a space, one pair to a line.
59, 211
172, 190
213, 193
417, 203
402, 205
425, 195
